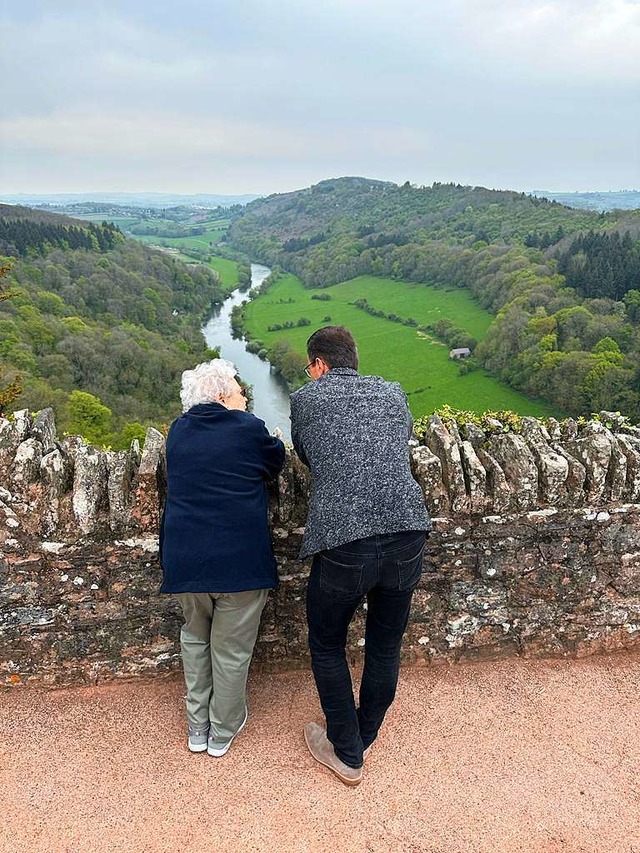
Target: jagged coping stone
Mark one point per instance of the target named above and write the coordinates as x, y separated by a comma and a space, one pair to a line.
301, 478
123, 467
519, 466
553, 468
44, 429
427, 470
498, 489
289, 493
89, 487
474, 434
617, 473
630, 446
152, 482
57, 473
475, 477
445, 446
593, 448
574, 492
12, 434
26, 464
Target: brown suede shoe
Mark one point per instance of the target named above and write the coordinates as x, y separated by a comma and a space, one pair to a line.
322, 750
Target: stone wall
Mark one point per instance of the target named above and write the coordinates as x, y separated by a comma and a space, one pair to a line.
535, 551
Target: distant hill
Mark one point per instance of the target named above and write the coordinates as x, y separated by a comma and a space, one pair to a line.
563, 283
14, 211
154, 200
338, 229
621, 200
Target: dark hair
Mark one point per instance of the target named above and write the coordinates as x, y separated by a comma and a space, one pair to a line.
335, 344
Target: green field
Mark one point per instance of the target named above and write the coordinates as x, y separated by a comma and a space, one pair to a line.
227, 270
123, 222
419, 362
200, 241
215, 229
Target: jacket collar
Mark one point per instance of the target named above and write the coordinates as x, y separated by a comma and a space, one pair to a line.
342, 371
206, 409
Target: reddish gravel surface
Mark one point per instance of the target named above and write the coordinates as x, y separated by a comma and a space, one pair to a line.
510, 756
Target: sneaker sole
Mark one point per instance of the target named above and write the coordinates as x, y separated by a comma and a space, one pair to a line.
199, 747
345, 779
223, 750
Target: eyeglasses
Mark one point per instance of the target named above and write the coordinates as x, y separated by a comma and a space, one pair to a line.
242, 391
307, 368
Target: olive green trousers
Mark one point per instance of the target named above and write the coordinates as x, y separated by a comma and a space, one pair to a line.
217, 640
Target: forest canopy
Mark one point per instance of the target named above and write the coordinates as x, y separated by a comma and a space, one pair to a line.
98, 327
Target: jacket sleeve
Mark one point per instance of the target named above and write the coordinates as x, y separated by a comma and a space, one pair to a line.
164, 509
272, 454
296, 437
407, 410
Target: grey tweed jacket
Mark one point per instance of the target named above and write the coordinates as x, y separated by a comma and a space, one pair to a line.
352, 431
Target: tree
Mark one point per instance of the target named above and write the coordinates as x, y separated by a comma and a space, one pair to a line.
603, 386
608, 351
10, 393
292, 366
89, 417
632, 301
130, 431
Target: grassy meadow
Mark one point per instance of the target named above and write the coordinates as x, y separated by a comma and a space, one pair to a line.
215, 229
419, 362
123, 222
227, 270
199, 241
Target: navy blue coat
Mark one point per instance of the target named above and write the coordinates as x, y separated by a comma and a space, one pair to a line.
215, 535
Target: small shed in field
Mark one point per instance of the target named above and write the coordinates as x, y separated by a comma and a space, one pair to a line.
461, 352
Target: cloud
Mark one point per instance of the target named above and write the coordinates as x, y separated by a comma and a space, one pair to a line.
157, 138
445, 89
584, 39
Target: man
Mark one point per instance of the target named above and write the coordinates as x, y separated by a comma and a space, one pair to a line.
366, 530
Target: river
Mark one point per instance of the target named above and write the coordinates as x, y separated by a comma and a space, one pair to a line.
270, 393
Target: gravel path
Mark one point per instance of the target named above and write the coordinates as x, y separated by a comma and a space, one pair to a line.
510, 756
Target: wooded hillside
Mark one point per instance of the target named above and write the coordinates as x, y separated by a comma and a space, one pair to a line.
97, 326
563, 283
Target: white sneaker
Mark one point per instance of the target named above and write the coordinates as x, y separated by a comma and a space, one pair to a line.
222, 747
198, 738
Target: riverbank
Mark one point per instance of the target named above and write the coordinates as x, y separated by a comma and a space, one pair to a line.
270, 393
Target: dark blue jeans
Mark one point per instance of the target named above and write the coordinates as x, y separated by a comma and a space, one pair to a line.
386, 570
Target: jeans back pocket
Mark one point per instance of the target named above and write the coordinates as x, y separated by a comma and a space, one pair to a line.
410, 570
340, 579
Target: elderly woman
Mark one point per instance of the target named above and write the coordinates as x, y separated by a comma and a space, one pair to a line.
215, 546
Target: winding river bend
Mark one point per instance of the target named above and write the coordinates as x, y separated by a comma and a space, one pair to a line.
270, 394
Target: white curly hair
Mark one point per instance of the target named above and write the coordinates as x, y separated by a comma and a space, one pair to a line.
206, 382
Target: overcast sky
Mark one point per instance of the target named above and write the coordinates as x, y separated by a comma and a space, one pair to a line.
260, 96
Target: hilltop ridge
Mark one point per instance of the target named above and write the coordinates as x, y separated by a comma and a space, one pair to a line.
563, 284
